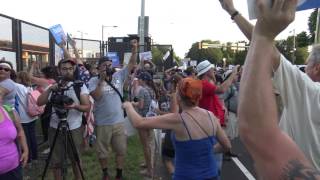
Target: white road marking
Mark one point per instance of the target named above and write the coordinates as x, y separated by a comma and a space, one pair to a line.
243, 169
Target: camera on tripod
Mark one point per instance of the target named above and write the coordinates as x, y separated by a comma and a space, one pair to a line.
59, 99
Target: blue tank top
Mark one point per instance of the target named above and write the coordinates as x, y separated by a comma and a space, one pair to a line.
194, 159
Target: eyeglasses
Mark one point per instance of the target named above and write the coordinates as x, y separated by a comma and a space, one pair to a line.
67, 69
5, 69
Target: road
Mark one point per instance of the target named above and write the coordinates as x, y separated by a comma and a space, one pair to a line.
240, 168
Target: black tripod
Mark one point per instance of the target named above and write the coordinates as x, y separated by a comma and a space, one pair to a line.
65, 132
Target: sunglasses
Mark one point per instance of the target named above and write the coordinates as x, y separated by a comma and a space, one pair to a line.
5, 69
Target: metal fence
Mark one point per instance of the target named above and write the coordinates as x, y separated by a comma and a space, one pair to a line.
22, 42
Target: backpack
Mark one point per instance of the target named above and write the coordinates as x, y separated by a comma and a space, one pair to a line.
32, 108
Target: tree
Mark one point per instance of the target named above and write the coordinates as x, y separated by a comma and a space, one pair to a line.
302, 39
312, 23
157, 56
301, 55
214, 55
240, 57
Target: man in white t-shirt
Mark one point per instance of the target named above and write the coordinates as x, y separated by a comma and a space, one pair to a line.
299, 92
74, 117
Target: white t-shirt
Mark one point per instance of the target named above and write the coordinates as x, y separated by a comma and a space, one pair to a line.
22, 94
301, 111
74, 117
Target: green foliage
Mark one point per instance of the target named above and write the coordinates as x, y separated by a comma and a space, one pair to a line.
240, 57
302, 39
214, 55
301, 55
312, 23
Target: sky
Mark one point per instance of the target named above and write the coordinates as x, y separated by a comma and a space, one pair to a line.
176, 22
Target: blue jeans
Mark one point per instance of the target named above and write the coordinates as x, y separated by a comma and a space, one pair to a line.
29, 130
219, 159
15, 174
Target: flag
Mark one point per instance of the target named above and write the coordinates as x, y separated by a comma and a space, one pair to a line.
165, 57
302, 5
58, 33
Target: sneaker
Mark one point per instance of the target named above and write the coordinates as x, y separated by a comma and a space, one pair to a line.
143, 165
145, 173
105, 178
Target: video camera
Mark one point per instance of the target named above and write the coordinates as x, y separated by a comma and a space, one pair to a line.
59, 100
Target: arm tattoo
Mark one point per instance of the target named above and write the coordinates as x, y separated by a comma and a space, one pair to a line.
295, 170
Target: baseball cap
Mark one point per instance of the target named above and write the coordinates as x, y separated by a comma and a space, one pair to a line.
145, 76
72, 61
104, 59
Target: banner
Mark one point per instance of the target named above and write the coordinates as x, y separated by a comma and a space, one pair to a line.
126, 58
302, 5
115, 59
58, 33
145, 56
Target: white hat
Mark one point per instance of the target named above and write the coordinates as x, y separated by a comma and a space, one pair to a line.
226, 74
203, 67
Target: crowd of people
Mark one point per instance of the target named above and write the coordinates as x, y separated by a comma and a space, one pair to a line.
200, 109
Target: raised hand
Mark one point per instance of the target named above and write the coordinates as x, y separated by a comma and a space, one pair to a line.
272, 20
228, 6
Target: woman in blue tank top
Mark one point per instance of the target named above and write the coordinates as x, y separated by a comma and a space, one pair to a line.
195, 133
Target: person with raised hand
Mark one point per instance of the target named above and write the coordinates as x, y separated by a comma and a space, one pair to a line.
275, 154
298, 91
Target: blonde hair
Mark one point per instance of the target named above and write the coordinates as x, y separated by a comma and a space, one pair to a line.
25, 78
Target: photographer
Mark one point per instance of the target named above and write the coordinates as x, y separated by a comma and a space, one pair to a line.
109, 118
74, 115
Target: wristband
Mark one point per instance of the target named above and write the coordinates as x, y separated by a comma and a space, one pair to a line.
233, 15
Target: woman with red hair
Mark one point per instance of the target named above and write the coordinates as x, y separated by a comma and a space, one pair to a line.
195, 133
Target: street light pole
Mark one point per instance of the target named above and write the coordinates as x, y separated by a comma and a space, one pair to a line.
102, 37
294, 46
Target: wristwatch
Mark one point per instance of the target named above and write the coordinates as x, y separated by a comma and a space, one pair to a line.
233, 15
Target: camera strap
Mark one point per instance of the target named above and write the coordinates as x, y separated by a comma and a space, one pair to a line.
117, 91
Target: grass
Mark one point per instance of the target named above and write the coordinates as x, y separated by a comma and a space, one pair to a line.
91, 166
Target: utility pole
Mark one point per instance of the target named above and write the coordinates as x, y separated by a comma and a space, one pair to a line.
317, 37
141, 25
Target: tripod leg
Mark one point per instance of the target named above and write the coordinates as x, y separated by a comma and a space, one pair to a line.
74, 151
64, 168
51, 151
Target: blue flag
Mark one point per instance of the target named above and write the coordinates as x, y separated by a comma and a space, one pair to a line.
308, 4
58, 33
302, 5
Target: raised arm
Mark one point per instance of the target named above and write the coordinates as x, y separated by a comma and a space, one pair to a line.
168, 121
66, 53
133, 58
225, 85
36, 80
76, 51
21, 137
245, 26
275, 154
